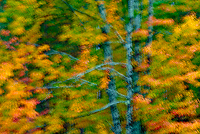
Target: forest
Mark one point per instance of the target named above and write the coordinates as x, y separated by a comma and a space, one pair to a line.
99, 66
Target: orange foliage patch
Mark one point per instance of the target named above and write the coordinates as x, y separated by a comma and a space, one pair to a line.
141, 33
157, 22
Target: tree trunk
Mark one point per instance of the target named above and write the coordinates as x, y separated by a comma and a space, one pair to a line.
111, 86
133, 77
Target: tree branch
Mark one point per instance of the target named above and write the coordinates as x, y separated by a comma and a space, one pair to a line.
50, 87
47, 97
124, 96
88, 71
79, 11
115, 30
72, 9
52, 51
105, 68
117, 33
88, 82
103, 108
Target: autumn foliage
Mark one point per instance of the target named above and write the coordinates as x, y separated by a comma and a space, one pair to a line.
19, 84
170, 106
46, 89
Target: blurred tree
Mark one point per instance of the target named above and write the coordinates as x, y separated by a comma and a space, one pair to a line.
75, 70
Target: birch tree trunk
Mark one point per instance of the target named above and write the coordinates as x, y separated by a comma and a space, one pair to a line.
131, 127
133, 77
111, 86
137, 58
129, 51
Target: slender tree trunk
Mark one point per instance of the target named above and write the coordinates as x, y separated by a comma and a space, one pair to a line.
138, 59
137, 23
111, 86
133, 77
137, 47
130, 128
128, 46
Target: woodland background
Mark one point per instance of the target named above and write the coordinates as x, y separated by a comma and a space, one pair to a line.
99, 66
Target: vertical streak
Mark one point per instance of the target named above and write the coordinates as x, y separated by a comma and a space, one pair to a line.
131, 127
129, 51
137, 57
137, 47
111, 86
